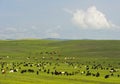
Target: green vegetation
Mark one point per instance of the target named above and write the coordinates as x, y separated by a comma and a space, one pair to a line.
68, 55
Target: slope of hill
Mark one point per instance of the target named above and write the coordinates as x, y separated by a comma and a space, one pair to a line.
77, 48
80, 59
93, 48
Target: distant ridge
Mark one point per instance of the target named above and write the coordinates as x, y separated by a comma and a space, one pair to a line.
55, 39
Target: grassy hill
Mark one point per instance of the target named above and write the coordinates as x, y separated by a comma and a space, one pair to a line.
63, 55
78, 48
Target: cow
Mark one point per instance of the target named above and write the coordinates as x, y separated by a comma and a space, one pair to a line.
3, 71
106, 76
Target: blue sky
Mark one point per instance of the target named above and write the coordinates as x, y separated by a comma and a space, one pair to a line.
67, 19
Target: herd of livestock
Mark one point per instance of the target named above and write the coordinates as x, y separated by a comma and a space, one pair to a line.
52, 68
64, 68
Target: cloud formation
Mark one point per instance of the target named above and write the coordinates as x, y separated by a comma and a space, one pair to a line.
52, 33
91, 18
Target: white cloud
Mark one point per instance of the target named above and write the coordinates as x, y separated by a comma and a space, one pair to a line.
67, 10
91, 18
10, 29
53, 32
54, 35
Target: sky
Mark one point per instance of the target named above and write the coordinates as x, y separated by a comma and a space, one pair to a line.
64, 19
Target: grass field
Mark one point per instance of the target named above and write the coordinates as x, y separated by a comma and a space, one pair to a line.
70, 56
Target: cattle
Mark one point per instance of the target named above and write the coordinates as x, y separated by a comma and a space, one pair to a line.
93, 74
37, 73
45, 70
112, 70
31, 65
52, 73
97, 74
44, 66
25, 65
112, 74
88, 73
57, 73
31, 70
87, 67
19, 67
13, 70
23, 71
48, 71
3, 71
83, 72
39, 69
61, 73
106, 76
66, 73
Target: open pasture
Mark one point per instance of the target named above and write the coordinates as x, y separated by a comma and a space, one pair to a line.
58, 62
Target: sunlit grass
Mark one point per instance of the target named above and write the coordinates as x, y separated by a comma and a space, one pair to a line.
86, 52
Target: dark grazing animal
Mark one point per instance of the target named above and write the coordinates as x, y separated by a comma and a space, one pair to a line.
106, 76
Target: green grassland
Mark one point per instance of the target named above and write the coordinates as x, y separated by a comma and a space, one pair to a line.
60, 55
